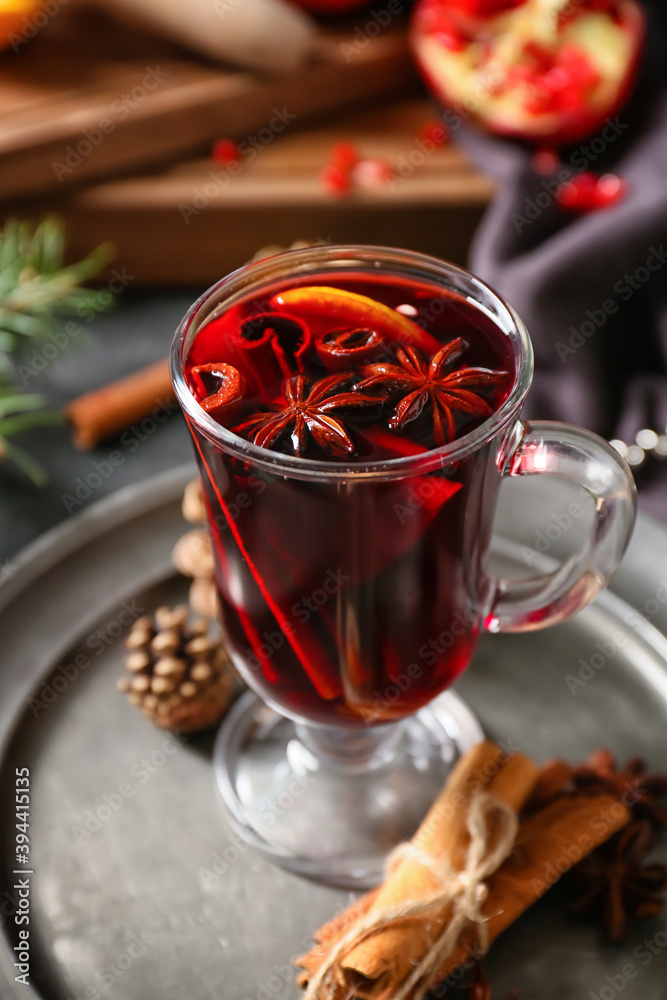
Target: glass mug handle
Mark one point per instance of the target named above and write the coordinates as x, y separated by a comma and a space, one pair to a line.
575, 455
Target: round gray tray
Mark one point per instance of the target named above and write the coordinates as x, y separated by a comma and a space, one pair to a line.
147, 893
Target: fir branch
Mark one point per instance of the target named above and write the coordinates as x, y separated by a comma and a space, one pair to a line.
25, 461
22, 401
37, 289
22, 421
26, 421
36, 286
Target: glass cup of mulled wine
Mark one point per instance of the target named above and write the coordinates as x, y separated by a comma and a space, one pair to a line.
354, 411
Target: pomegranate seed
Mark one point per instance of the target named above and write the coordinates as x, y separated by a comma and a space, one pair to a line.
435, 132
372, 172
606, 6
579, 193
434, 19
539, 100
344, 155
450, 38
545, 162
587, 192
571, 99
541, 56
578, 66
612, 188
225, 151
486, 8
335, 181
556, 79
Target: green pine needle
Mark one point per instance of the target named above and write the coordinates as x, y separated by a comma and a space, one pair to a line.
26, 421
15, 404
25, 461
35, 284
37, 290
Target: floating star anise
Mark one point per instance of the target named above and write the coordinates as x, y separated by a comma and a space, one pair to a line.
642, 793
415, 382
618, 884
307, 414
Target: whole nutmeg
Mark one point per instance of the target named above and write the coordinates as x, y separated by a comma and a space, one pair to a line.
193, 506
193, 554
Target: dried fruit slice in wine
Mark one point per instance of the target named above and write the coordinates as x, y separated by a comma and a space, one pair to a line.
349, 308
347, 349
218, 387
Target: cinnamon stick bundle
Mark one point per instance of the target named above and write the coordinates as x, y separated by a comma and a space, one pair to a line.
378, 964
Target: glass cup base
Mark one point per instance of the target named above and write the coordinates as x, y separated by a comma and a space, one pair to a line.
330, 804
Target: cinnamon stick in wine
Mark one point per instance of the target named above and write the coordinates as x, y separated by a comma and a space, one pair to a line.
104, 412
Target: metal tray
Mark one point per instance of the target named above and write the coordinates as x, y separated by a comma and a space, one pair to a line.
147, 893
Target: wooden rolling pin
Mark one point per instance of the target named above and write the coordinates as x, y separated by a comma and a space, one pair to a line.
268, 35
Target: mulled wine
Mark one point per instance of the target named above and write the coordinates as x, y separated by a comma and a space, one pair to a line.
354, 410
355, 601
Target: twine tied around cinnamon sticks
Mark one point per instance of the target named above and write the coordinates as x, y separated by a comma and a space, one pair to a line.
464, 890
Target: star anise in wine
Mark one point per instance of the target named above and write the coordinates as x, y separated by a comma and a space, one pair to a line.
642, 793
479, 987
618, 884
306, 415
414, 382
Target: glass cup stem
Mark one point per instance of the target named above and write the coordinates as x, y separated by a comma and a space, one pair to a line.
351, 749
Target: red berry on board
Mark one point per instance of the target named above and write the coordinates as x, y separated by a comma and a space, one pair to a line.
335, 181
344, 155
435, 132
225, 151
372, 172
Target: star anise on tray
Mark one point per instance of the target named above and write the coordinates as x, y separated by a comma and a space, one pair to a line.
619, 884
306, 415
414, 382
642, 793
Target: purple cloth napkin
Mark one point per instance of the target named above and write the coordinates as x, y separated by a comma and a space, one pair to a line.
592, 289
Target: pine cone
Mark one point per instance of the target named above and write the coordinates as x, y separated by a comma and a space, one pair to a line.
193, 554
179, 674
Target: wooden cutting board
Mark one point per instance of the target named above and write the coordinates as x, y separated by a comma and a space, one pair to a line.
164, 238
87, 98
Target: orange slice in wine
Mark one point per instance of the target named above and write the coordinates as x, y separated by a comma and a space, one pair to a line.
344, 307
